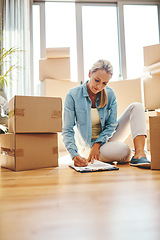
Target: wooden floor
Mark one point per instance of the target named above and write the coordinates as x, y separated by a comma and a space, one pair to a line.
59, 203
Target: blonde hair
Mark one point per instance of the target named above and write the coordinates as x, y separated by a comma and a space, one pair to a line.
106, 65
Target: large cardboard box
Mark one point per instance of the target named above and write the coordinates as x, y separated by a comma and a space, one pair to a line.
154, 123
57, 88
35, 114
127, 92
56, 68
151, 54
28, 151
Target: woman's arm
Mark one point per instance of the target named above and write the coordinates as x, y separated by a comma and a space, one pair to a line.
68, 132
68, 125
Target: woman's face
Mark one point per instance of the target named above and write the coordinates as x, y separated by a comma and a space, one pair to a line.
98, 80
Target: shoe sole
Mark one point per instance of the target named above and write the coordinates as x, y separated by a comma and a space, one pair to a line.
141, 165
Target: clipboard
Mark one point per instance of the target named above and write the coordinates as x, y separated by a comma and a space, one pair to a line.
97, 166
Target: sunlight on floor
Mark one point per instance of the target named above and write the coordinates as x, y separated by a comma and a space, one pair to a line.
64, 158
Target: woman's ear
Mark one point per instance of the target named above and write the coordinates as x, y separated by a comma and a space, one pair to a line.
89, 74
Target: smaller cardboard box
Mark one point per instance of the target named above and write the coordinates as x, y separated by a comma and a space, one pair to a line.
56, 68
28, 151
154, 123
151, 54
63, 52
35, 114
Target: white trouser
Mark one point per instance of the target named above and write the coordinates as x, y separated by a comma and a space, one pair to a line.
115, 149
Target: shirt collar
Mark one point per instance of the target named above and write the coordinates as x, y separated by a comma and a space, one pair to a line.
85, 91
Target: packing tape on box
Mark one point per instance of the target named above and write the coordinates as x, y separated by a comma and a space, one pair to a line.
12, 152
20, 112
56, 114
55, 149
16, 112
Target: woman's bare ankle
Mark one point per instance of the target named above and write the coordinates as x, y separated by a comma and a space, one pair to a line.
139, 155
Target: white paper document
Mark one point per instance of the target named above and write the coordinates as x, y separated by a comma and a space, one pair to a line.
96, 166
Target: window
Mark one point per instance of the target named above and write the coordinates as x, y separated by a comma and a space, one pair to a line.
141, 29
36, 47
100, 37
100, 32
61, 30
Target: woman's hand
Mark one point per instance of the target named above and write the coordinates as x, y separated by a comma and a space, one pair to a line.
80, 162
94, 153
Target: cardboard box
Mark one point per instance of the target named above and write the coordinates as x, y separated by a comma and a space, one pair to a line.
28, 151
57, 88
63, 52
158, 112
127, 92
151, 70
154, 123
149, 114
56, 68
151, 54
35, 114
151, 92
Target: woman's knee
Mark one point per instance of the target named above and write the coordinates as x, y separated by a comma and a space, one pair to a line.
115, 151
126, 156
137, 105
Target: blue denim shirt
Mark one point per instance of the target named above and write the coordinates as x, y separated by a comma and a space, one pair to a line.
77, 112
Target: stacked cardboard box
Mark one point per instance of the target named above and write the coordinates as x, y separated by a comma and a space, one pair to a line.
148, 115
151, 77
59, 52
54, 74
151, 86
151, 54
32, 139
57, 88
56, 65
154, 123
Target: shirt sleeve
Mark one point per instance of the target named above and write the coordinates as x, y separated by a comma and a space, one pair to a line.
68, 126
111, 124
